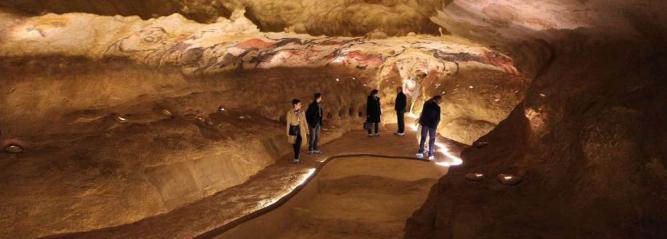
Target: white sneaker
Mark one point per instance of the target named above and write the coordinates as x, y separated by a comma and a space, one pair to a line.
399, 134
296, 160
431, 158
420, 155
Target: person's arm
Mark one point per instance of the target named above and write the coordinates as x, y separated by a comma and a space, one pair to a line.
379, 107
305, 124
397, 102
437, 118
287, 119
421, 114
404, 102
369, 108
309, 114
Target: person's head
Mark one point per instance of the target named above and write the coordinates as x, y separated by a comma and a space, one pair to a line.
296, 104
437, 99
399, 89
317, 97
374, 92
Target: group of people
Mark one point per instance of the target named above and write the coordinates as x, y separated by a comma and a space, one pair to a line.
307, 125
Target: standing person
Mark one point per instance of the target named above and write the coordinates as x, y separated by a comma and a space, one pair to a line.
429, 119
297, 128
399, 106
314, 116
373, 113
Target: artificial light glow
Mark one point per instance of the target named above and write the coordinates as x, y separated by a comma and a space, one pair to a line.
302, 179
453, 159
339, 59
474, 176
409, 83
412, 116
507, 177
414, 127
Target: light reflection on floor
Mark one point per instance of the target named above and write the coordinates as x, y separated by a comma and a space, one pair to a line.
453, 160
303, 178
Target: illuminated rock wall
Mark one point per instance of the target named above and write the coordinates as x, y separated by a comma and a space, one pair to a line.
587, 142
119, 117
379, 18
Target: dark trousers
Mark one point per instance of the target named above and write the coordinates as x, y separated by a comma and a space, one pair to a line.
376, 126
297, 145
431, 140
314, 137
401, 121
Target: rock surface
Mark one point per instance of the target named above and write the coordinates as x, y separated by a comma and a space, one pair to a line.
103, 152
586, 140
583, 80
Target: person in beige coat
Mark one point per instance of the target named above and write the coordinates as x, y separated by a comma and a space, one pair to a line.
297, 128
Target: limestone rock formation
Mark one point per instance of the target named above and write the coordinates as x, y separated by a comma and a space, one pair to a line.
123, 110
587, 140
95, 88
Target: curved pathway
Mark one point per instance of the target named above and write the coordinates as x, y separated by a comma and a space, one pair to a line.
263, 192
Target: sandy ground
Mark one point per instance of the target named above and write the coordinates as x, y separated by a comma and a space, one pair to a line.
279, 179
357, 197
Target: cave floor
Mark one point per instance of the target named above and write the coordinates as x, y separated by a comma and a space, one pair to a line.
265, 188
351, 197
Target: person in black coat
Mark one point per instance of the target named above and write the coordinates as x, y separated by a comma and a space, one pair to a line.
399, 106
314, 115
429, 120
373, 113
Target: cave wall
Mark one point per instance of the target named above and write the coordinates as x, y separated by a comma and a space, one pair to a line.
377, 18
586, 142
121, 121
199, 10
235, 45
84, 169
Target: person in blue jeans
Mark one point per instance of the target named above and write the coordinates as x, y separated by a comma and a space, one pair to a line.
429, 119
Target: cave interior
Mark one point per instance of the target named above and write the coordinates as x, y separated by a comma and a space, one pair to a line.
166, 119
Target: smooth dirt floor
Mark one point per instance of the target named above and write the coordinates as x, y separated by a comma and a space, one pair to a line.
355, 197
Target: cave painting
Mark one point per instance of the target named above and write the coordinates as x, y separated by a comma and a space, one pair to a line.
155, 45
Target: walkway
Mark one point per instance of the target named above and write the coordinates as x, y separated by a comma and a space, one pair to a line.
262, 192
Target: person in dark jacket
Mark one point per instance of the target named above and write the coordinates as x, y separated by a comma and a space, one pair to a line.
373, 113
399, 106
429, 119
314, 116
